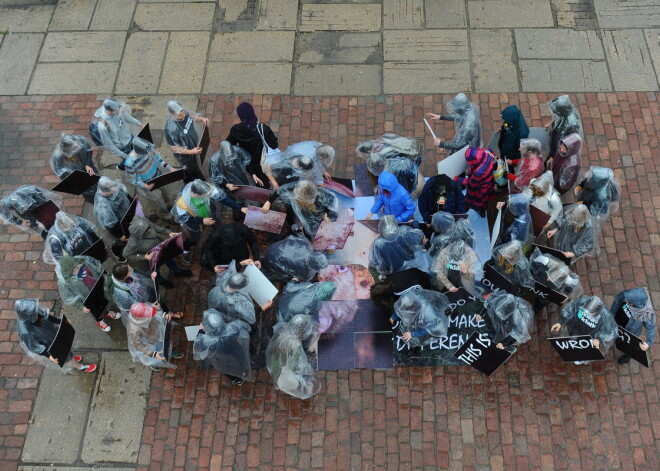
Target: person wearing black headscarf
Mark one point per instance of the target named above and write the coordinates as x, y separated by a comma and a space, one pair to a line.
514, 128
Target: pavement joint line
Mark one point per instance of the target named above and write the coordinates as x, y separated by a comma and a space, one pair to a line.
123, 51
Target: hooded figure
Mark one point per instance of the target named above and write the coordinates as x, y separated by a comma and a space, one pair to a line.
405, 170
397, 248
544, 197
600, 192
228, 166
37, 330
565, 121
321, 155
229, 242
467, 123
113, 120
479, 181
456, 266
145, 235
145, 335
422, 316
587, 315
303, 297
511, 263
638, 312
132, 288
182, 137
223, 346
227, 298
577, 235
555, 274
17, 208
111, 204
74, 152
76, 277
68, 236
512, 319
441, 193
567, 164
286, 359
393, 198
528, 167
291, 258
390, 146
293, 168
514, 128
520, 227
447, 230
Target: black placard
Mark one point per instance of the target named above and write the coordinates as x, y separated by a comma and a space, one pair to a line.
45, 213
554, 252
167, 178
61, 345
539, 219
628, 344
545, 293
494, 280
145, 133
479, 351
128, 217
204, 143
166, 250
622, 317
578, 348
76, 183
97, 250
95, 300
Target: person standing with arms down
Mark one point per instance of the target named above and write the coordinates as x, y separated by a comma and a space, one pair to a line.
182, 138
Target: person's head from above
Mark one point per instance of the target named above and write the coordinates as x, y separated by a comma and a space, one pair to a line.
177, 112
376, 164
123, 272
561, 106
246, 114
69, 265
442, 222
456, 251
592, 307
364, 148
300, 326
141, 146
598, 177
305, 193
27, 310
213, 322
541, 185
459, 104
112, 106
326, 154
142, 313
64, 222
508, 255
302, 162
199, 189
577, 216
530, 148
68, 145
388, 227
108, 186
570, 145
317, 261
237, 282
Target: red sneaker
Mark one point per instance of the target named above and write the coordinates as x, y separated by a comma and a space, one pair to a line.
77, 358
103, 326
87, 368
112, 315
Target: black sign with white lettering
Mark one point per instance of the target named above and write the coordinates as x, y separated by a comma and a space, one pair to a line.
622, 316
545, 293
480, 352
579, 348
554, 252
629, 344
494, 280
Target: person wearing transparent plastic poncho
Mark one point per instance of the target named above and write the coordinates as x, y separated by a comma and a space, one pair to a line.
422, 316
227, 168
143, 163
587, 315
113, 121
181, 136
37, 329
223, 346
17, 208
555, 274
289, 165
512, 319
566, 164
520, 227
308, 204
74, 152
145, 334
287, 361
292, 169
577, 234
130, 287
639, 313
110, 205
398, 248
292, 258
600, 192
393, 199
467, 124
528, 167
457, 266
404, 169
565, 121
543, 196
303, 297
70, 235
390, 146
447, 230
227, 298
510, 262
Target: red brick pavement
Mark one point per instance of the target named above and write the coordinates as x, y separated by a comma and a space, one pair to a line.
534, 414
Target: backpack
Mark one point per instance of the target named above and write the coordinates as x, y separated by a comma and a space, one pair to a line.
93, 130
499, 173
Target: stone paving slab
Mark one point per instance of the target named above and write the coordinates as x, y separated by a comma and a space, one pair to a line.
72, 15
425, 77
554, 43
628, 14
493, 47
185, 60
334, 17
59, 416
629, 60
232, 77
18, 55
83, 47
112, 432
174, 16
564, 76
142, 62
257, 46
328, 80
335, 47
403, 14
425, 46
510, 13
73, 77
446, 14
277, 15
88, 334
113, 15
653, 41
26, 20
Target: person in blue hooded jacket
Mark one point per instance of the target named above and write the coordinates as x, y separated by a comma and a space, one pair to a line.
393, 198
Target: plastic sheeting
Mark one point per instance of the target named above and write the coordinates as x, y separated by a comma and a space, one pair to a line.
225, 297
146, 336
422, 310
510, 316
111, 202
72, 285
448, 230
73, 152
187, 207
530, 164
467, 123
578, 232
70, 235
390, 146
566, 166
398, 248
521, 227
511, 263
456, 266
565, 121
310, 204
543, 196
587, 315
555, 274
290, 258
16, 207
601, 192
303, 298
229, 165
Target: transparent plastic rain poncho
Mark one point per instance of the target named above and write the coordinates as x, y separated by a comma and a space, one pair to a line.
286, 360
322, 156
73, 152
390, 146
224, 346
36, 331
565, 121
578, 232
601, 192
398, 248
511, 263
226, 298
303, 298
566, 166
511, 317
309, 204
457, 265
228, 165
295, 168
184, 208
405, 170
70, 235
467, 123
543, 196
555, 274
529, 165
290, 258
111, 203
448, 230
73, 288
521, 227
587, 315
145, 336
140, 290
181, 133
144, 162
16, 206
118, 131
422, 310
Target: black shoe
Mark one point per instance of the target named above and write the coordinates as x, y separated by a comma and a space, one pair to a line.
624, 359
176, 355
237, 381
166, 284
183, 273
121, 167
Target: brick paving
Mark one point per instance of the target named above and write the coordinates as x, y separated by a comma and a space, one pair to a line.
533, 414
